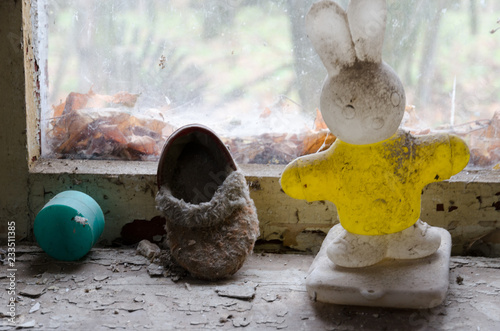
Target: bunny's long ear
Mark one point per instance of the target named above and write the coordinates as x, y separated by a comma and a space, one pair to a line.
328, 30
367, 20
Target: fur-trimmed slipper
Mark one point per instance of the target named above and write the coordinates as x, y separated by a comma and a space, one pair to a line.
211, 223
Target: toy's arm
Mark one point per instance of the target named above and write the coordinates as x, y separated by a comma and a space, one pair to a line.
460, 154
443, 155
309, 177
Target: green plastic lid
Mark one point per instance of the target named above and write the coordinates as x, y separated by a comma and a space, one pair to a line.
69, 225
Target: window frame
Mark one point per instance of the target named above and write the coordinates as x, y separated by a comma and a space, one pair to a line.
470, 200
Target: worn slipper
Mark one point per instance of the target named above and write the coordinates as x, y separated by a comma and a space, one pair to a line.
211, 221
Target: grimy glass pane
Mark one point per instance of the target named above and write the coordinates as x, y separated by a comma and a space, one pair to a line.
123, 74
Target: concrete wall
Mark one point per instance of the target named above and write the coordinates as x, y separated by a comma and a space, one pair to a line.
468, 205
13, 132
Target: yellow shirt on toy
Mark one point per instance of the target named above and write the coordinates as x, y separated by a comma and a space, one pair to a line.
376, 187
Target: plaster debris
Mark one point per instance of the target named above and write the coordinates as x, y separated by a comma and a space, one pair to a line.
241, 307
134, 259
148, 249
240, 322
270, 320
282, 302
495, 284
79, 279
155, 270
61, 278
162, 295
35, 308
45, 311
4, 313
111, 258
270, 297
225, 318
33, 291
282, 312
494, 293
100, 278
114, 268
229, 303
130, 308
26, 257
27, 325
198, 322
171, 268
243, 292
43, 281
113, 326
54, 325
106, 302
192, 308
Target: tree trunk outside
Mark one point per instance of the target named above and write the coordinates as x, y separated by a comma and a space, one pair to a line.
309, 71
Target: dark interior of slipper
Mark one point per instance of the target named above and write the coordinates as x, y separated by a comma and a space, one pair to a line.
193, 164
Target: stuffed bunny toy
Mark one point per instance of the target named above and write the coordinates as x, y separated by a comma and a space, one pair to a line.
373, 173
363, 100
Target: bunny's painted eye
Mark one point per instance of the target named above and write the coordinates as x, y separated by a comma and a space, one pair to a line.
395, 99
349, 112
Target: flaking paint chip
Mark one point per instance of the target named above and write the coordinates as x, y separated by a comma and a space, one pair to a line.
242, 292
32, 291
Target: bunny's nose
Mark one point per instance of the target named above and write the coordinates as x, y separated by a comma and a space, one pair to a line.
349, 112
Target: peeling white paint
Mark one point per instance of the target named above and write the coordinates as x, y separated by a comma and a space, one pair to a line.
82, 220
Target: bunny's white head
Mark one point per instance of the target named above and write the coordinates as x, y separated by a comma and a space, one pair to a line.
362, 100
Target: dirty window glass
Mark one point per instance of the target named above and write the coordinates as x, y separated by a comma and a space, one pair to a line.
124, 74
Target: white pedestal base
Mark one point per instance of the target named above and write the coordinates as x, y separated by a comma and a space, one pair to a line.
420, 283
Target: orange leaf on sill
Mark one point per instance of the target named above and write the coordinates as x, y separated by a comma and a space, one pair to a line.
59, 109
143, 145
112, 133
317, 142
485, 143
319, 123
413, 123
75, 101
124, 98
266, 113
